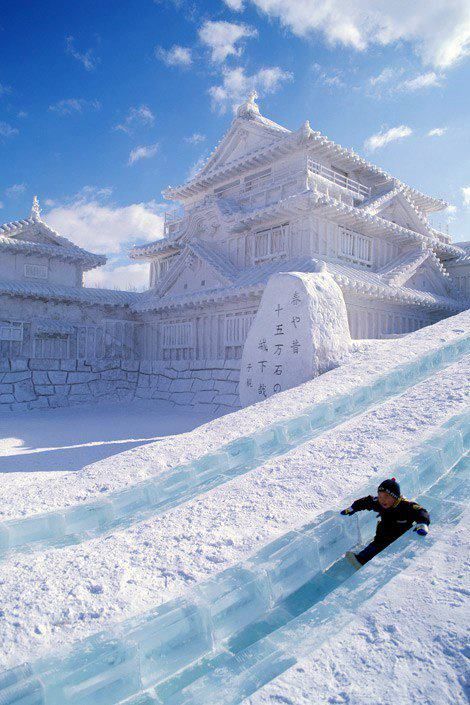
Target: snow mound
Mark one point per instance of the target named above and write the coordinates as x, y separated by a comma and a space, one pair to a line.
300, 331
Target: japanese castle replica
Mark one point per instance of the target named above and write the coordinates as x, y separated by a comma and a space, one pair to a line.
267, 200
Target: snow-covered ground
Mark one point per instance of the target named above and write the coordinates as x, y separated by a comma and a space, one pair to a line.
52, 597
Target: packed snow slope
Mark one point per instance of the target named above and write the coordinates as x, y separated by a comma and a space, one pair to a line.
53, 597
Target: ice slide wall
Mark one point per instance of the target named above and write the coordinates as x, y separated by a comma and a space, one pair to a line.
169, 489
161, 648
186, 652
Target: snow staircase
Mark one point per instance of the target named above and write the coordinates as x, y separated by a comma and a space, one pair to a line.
174, 487
234, 633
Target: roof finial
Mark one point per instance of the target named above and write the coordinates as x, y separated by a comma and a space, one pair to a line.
249, 107
35, 209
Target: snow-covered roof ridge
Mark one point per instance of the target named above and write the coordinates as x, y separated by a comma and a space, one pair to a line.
213, 257
290, 141
362, 282
464, 257
401, 269
58, 245
57, 292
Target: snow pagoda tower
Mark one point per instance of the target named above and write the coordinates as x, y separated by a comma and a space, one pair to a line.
272, 200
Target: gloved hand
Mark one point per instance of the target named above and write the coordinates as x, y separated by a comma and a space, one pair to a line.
421, 529
348, 511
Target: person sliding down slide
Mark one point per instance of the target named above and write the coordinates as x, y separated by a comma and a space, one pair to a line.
397, 515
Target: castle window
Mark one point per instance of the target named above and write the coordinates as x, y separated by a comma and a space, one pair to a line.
271, 243
177, 340
354, 247
35, 271
11, 331
51, 345
236, 330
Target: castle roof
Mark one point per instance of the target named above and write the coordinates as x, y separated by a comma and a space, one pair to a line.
56, 292
230, 158
33, 236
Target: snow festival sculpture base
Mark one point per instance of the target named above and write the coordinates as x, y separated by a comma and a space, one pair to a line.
300, 331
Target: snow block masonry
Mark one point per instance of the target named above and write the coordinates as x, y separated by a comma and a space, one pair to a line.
232, 634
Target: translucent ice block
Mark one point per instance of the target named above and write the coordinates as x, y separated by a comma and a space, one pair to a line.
241, 452
15, 675
99, 671
210, 464
341, 405
29, 692
360, 398
236, 597
143, 699
170, 637
461, 423
449, 444
129, 501
198, 669
297, 429
367, 524
428, 465
310, 629
41, 527
241, 676
334, 536
87, 517
408, 478
453, 487
270, 441
441, 511
320, 415
289, 562
4, 539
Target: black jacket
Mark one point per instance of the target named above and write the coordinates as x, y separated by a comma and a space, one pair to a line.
395, 520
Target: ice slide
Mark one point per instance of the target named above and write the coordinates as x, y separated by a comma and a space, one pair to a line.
234, 633
157, 495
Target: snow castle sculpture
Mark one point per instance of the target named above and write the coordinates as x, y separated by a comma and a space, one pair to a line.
300, 331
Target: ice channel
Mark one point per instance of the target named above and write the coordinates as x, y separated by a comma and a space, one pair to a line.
157, 495
237, 631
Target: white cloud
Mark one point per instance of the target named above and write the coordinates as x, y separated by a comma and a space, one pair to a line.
68, 106
235, 5
332, 78
4, 89
22, 114
92, 222
87, 58
437, 132
423, 80
135, 118
387, 75
176, 56
466, 195
236, 85
439, 31
15, 190
380, 139
143, 152
222, 38
114, 276
7, 130
195, 138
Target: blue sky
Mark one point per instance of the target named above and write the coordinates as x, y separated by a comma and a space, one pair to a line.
104, 104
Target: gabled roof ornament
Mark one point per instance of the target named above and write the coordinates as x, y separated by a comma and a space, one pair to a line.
304, 131
35, 210
249, 107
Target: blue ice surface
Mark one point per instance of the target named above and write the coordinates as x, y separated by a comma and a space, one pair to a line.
87, 517
296, 429
271, 442
98, 671
235, 597
288, 562
169, 637
449, 444
241, 452
27, 692
320, 415
462, 424
40, 527
4, 539
334, 536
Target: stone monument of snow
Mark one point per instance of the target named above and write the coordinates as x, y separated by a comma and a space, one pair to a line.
300, 331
